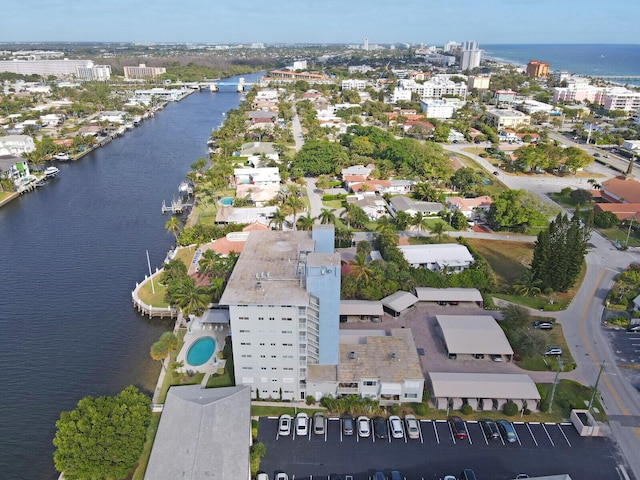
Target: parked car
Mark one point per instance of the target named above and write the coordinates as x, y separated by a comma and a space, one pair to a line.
542, 325
467, 474
262, 476
521, 475
413, 427
364, 429
380, 427
284, 424
457, 427
507, 431
633, 327
395, 475
379, 476
553, 351
281, 476
302, 421
347, 424
489, 428
449, 477
319, 423
397, 431
596, 154
496, 358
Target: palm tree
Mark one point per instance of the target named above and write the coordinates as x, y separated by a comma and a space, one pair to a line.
278, 219
360, 268
295, 204
438, 230
419, 221
528, 284
384, 223
305, 223
327, 215
192, 299
173, 226
212, 264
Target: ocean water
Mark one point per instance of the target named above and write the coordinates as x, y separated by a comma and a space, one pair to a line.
598, 60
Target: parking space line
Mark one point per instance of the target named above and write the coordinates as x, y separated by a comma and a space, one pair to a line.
451, 432
486, 440
420, 432
517, 436
468, 434
436, 432
565, 437
549, 436
532, 435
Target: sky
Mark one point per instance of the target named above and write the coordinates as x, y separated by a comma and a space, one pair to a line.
323, 21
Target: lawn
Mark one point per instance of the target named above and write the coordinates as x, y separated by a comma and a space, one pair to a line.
171, 377
620, 235
155, 299
570, 395
268, 411
540, 363
508, 260
146, 451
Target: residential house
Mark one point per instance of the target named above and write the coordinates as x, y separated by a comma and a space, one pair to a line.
357, 170
449, 257
507, 118
400, 203
472, 208
257, 176
113, 117
13, 167
16, 145
373, 205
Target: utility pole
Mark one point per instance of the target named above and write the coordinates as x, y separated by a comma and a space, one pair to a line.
555, 382
595, 387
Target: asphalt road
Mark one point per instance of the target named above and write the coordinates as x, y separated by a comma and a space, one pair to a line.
540, 449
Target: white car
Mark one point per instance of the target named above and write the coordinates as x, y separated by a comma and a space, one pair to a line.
413, 427
364, 427
397, 431
262, 476
284, 425
282, 476
302, 421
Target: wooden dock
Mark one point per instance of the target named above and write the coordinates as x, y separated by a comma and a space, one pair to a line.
177, 206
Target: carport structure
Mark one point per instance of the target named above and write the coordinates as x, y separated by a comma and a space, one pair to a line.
450, 295
361, 310
397, 302
469, 337
482, 391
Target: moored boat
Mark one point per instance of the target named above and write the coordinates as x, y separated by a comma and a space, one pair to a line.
51, 172
62, 157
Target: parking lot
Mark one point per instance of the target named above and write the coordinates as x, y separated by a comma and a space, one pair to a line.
540, 449
626, 347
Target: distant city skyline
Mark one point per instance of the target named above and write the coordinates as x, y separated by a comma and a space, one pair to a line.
330, 21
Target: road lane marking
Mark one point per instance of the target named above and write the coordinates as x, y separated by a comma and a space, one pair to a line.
548, 436
532, 435
565, 437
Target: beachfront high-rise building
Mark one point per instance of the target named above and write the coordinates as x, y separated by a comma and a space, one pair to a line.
470, 56
142, 71
82, 69
365, 46
537, 69
284, 307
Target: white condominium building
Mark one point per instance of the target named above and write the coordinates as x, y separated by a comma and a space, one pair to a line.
284, 306
56, 68
142, 71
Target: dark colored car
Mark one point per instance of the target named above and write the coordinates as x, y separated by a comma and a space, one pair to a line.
507, 430
458, 428
347, 424
490, 428
634, 328
380, 427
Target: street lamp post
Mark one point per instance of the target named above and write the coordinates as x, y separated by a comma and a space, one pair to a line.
555, 382
626, 243
595, 387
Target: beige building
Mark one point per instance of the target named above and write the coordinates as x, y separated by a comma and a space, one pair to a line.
507, 118
142, 71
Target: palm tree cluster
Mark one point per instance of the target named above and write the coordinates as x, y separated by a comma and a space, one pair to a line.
162, 348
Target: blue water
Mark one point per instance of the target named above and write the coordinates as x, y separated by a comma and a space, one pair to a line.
200, 351
71, 254
581, 59
226, 201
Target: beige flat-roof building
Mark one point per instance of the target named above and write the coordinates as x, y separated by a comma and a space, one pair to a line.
474, 337
483, 391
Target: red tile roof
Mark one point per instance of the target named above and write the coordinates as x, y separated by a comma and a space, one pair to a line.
621, 190
623, 211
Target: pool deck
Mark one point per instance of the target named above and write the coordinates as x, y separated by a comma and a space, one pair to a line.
195, 331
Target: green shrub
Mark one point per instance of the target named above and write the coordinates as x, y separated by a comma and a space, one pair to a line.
395, 409
421, 409
254, 429
527, 411
619, 321
310, 400
466, 409
510, 409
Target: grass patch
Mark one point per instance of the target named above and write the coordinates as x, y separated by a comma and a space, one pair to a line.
430, 240
537, 303
567, 202
620, 235
173, 378
155, 299
541, 363
508, 260
570, 395
146, 451
227, 379
332, 204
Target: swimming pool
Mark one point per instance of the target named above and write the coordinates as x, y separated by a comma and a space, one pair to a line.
201, 351
226, 201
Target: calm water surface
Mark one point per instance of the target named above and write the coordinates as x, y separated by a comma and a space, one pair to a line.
70, 254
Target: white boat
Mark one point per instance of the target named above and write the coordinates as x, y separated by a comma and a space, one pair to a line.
51, 172
62, 157
41, 183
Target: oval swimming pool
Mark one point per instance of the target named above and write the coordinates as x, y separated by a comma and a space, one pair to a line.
201, 351
226, 201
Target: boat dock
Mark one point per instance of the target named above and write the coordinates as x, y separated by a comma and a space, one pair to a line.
177, 206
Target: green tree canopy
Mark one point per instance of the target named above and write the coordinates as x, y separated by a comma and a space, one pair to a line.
102, 438
318, 157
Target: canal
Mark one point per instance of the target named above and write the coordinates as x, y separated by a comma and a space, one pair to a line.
71, 253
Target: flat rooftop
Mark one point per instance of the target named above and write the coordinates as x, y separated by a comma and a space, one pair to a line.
266, 270
388, 358
473, 334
